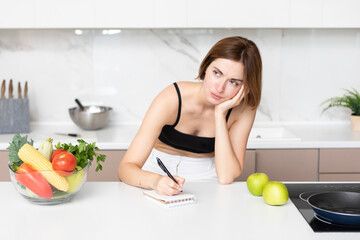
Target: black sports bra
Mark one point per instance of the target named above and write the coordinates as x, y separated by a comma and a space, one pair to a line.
191, 143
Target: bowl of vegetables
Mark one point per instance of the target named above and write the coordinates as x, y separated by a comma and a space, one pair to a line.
48, 176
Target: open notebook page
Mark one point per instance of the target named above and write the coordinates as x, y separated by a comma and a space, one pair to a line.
171, 201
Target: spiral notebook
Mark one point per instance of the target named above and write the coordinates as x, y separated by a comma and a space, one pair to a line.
181, 199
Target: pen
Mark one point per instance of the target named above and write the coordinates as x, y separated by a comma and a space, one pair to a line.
162, 166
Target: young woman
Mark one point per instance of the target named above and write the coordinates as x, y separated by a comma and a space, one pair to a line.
199, 129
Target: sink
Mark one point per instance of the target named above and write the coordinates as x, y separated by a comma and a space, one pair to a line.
272, 134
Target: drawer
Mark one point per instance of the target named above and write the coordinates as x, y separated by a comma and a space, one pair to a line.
339, 160
4, 169
109, 172
288, 164
339, 177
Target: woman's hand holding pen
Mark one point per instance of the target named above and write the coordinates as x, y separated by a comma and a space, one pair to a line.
166, 186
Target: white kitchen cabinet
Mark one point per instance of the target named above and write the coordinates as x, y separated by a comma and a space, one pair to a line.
341, 13
17, 14
170, 13
179, 14
64, 14
306, 13
238, 13
124, 14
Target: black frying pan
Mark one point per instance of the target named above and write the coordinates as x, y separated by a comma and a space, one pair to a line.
336, 207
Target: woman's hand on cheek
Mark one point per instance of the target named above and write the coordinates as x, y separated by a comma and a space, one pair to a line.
166, 186
233, 102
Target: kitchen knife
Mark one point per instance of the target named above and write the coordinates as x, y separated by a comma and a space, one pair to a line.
69, 134
26, 90
3, 86
19, 90
11, 89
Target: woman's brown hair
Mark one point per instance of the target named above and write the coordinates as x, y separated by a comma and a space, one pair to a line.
245, 51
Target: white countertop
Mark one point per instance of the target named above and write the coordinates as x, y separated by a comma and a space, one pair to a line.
114, 210
291, 135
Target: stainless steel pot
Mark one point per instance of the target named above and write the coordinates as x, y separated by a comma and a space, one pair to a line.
91, 117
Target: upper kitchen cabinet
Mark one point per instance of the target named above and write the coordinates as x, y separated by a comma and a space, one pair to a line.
124, 13
341, 13
238, 13
170, 14
179, 14
306, 13
64, 14
17, 13
325, 14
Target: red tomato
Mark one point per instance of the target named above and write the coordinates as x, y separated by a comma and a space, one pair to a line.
56, 152
34, 181
64, 162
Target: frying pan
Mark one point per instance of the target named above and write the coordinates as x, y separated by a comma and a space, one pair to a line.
337, 207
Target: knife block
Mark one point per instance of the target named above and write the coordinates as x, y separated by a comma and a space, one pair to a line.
14, 115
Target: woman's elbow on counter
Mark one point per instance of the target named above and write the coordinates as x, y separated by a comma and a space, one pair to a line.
225, 180
120, 171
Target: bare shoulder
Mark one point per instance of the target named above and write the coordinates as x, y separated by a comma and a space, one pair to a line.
167, 97
166, 104
188, 84
187, 88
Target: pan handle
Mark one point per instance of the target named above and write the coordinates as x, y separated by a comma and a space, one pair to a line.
305, 195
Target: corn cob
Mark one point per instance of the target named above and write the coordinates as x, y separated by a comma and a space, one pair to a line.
30, 155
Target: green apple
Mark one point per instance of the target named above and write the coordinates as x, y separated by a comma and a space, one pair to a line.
275, 193
256, 183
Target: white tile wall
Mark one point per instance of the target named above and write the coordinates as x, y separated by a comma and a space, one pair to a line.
302, 68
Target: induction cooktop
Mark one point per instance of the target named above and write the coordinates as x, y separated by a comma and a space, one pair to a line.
315, 222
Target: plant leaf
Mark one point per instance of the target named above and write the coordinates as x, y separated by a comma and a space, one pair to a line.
351, 100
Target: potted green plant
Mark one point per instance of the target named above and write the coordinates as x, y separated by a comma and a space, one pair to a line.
351, 100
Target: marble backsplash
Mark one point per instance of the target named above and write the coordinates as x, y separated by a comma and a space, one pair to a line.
301, 68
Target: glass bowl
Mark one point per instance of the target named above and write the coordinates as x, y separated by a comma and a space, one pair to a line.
36, 181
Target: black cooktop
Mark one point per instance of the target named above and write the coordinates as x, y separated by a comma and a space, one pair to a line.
317, 224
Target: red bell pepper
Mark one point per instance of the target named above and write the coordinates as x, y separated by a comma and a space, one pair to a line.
33, 180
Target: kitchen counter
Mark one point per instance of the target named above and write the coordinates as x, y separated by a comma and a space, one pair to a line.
280, 136
116, 210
